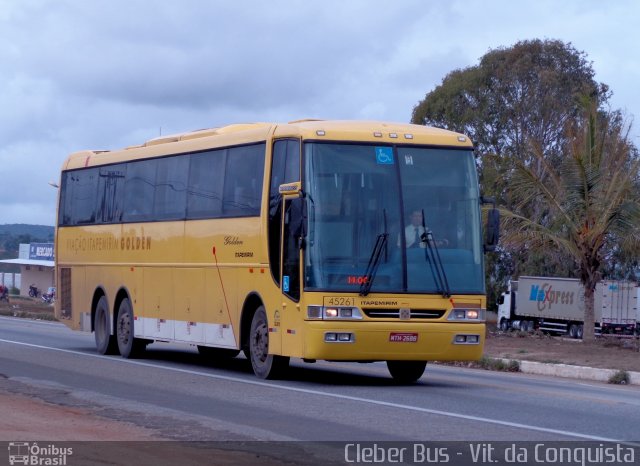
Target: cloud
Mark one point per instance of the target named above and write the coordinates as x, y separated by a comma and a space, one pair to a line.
202, 54
107, 74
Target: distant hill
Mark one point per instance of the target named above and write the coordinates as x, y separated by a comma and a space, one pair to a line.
42, 233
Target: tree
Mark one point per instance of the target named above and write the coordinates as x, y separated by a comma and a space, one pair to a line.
588, 202
516, 98
515, 95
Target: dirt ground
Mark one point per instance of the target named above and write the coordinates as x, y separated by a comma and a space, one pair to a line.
25, 417
605, 353
94, 439
29, 308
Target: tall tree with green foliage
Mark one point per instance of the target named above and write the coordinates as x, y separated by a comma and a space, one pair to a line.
516, 98
587, 203
514, 95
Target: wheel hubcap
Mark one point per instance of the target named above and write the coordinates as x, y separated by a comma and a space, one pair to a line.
260, 344
124, 330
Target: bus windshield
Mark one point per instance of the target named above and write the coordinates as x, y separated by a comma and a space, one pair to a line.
357, 192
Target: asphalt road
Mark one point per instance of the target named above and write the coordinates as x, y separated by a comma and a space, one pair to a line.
172, 388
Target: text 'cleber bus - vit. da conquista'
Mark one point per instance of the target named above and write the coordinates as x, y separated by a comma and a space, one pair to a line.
319, 240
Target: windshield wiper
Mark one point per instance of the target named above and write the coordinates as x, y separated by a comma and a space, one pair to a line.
374, 262
432, 256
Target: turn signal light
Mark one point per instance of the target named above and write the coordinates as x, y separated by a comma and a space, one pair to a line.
341, 337
462, 339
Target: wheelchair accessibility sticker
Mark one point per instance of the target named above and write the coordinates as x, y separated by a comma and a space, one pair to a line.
384, 155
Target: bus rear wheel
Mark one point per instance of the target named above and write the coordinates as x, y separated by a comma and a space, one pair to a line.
406, 371
130, 347
105, 342
265, 365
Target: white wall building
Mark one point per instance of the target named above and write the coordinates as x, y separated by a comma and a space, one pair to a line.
10, 279
36, 263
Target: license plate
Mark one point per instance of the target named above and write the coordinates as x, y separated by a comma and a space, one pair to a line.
403, 337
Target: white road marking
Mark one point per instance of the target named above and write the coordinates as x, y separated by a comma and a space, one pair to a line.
334, 395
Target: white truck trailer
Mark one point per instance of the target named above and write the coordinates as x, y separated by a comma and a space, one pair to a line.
556, 305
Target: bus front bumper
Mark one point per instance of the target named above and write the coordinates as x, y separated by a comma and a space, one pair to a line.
385, 341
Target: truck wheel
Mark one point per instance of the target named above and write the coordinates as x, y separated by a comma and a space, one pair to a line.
265, 365
580, 332
573, 331
504, 324
524, 326
405, 372
130, 347
105, 342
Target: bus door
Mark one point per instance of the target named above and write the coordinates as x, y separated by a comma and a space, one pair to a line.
285, 169
292, 238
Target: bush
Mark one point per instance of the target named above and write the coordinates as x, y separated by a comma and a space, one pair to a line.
500, 365
620, 378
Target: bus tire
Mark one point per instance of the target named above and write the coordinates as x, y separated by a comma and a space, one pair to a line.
209, 352
105, 342
405, 372
129, 346
265, 365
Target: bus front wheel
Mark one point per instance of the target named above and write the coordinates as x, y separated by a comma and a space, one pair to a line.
129, 346
406, 371
265, 365
105, 342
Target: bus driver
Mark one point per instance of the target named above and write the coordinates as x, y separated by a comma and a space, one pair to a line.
414, 232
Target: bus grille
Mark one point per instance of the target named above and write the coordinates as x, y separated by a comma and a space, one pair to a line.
64, 293
378, 313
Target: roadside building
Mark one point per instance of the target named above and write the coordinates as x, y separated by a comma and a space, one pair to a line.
36, 263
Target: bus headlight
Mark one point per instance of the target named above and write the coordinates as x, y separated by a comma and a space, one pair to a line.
333, 313
473, 313
467, 315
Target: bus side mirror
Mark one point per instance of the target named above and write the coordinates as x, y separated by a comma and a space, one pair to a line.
492, 232
290, 190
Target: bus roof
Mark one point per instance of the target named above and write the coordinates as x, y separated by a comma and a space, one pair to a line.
236, 134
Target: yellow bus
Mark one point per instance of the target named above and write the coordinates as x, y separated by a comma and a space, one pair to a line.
319, 240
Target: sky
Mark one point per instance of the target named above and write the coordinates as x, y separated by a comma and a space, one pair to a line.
106, 74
